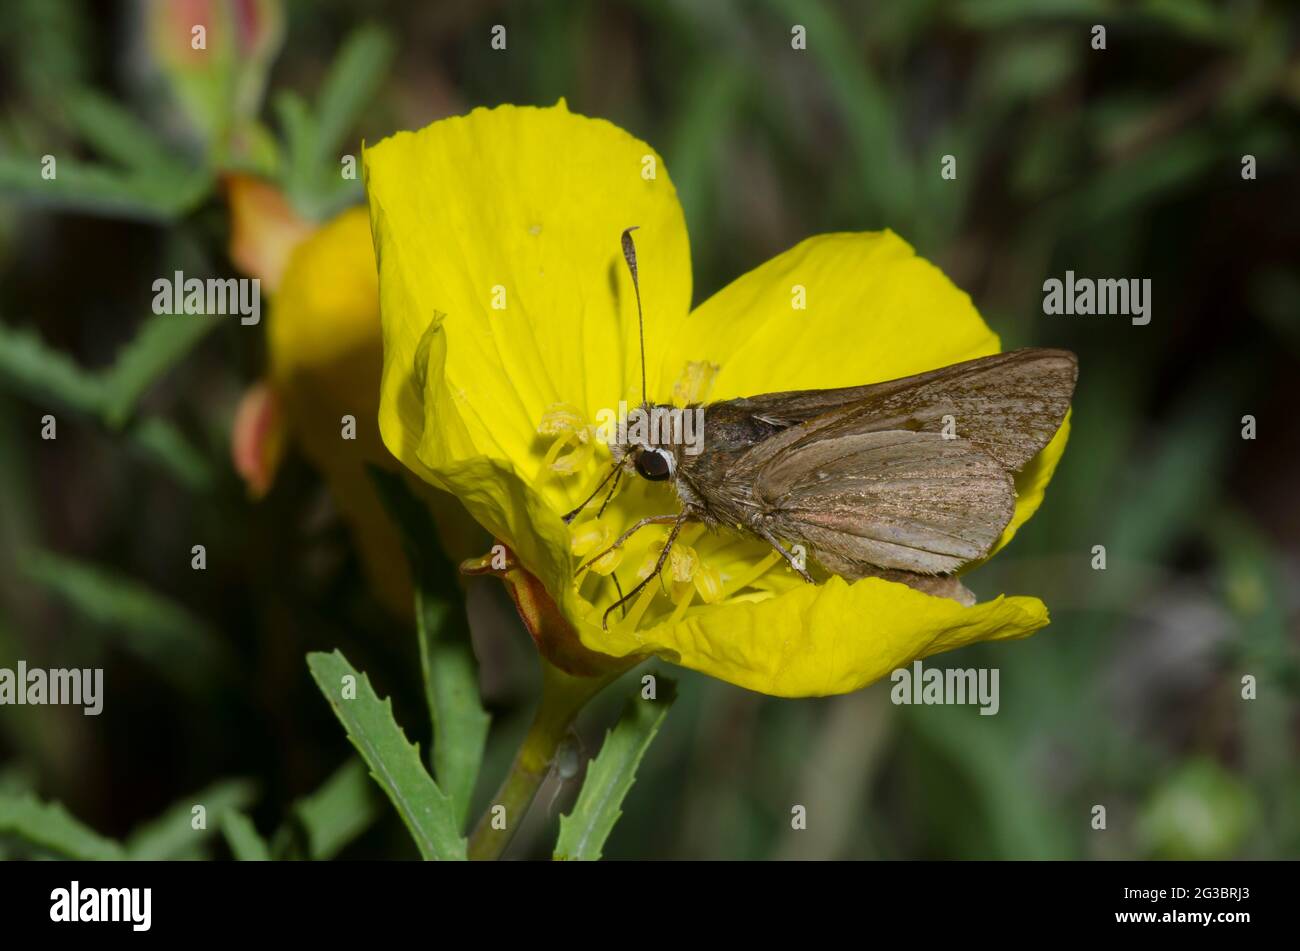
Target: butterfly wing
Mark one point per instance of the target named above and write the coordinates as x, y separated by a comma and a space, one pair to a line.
1009, 404
909, 501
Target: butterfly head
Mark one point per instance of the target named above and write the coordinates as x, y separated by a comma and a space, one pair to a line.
654, 463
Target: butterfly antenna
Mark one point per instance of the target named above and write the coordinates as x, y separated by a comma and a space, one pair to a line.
629, 255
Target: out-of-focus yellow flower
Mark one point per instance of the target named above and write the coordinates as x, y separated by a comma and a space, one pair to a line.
264, 228
325, 353
504, 296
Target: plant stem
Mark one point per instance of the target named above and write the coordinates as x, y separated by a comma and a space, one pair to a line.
563, 696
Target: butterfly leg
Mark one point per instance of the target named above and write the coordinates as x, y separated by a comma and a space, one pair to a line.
609, 496
648, 520
679, 520
616, 473
794, 562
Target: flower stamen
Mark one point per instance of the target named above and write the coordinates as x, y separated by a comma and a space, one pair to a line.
571, 431
594, 535
695, 383
684, 577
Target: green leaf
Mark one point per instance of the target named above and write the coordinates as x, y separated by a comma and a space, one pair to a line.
41, 372
50, 828
173, 836
241, 835
353, 80
163, 444
460, 724
155, 628
118, 135
97, 190
298, 129
609, 777
340, 810
393, 760
162, 342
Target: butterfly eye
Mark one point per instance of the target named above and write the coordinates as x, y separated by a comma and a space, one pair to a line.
654, 464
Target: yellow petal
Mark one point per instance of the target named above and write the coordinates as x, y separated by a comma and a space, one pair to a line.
324, 332
835, 637
872, 311
508, 221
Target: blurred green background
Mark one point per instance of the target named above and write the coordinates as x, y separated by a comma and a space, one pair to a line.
1123, 162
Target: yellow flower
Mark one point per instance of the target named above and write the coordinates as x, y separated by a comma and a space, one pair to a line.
324, 347
503, 295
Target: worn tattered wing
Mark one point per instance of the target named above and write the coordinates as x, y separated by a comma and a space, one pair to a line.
1008, 404
910, 501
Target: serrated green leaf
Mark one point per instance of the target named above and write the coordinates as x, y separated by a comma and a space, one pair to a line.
352, 81
51, 828
242, 836
460, 724
609, 777
340, 810
179, 646
393, 760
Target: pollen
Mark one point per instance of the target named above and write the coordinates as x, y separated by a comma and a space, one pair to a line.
575, 443
695, 383
691, 575
683, 562
685, 576
593, 536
